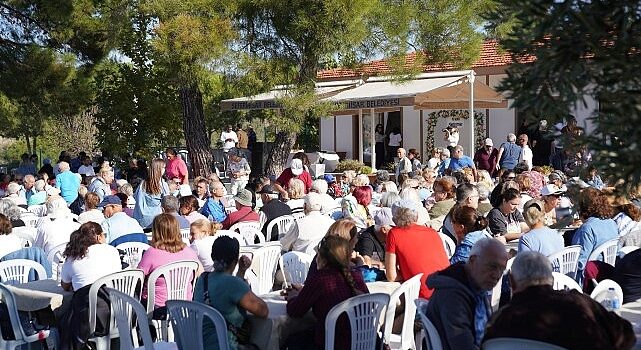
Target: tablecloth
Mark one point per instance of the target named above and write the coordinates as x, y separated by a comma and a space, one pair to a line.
38, 295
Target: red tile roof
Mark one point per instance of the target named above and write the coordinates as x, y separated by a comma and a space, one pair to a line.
490, 56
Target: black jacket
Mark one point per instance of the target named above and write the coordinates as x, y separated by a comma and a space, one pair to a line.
273, 209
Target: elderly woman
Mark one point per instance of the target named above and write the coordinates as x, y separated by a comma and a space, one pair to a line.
149, 194
442, 199
412, 248
296, 194
67, 182
597, 228
551, 196
429, 176
91, 213
9, 209
356, 206
327, 203
540, 238
13, 193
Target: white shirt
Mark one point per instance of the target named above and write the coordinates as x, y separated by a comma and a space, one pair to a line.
101, 260
9, 244
306, 232
202, 247
526, 156
395, 140
86, 170
93, 215
51, 233
17, 199
228, 144
327, 203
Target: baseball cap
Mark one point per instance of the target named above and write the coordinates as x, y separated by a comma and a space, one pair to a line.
110, 200
329, 178
488, 142
267, 189
551, 189
244, 197
383, 217
296, 167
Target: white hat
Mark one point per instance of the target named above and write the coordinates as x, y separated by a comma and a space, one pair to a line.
53, 191
552, 189
488, 142
296, 167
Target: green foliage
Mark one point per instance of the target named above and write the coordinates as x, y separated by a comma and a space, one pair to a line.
580, 49
350, 164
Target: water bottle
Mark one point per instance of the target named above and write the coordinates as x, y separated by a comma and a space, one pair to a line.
611, 302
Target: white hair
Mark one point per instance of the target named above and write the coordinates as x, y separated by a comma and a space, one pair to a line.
56, 203
63, 166
511, 137
411, 194
389, 198
482, 246
10, 209
40, 185
13, 188
390, 186
405, 217
361, 180
313, 202
320, 186
531, 268
29, 177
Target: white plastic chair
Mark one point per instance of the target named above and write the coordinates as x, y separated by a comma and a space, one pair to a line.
282, 222
20, 337
16, 271
566, 261
29, 219
249, 230
335, 213
264, 264
608, 250
599, 291
39, 210
187, 320
364, 313
628, 249
185, 234
563, 282
178, 275
54, 256
298, 216
123, 308
262, 219
496, 291
295, 266
448, 244
517, 343
239, 226
133, 252
405, 340
235, 235
126, 281
429, 333
26, 234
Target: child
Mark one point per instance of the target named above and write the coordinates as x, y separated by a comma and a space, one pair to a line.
333, 189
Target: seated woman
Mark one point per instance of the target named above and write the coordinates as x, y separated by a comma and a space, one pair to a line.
166, 247
189, 209
9, 209
505, 220
356, 206
332, 284
8, 242
346, 229
202, 237
91, 213
469, 228
540, 238
88, 258
228, 294
296, 193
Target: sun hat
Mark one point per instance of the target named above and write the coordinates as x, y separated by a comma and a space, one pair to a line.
552, 189
489, 142
244, 197
296, 167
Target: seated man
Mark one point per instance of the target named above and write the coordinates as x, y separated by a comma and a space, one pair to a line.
459, 307
305, 234
214, 208
371, 242
170, 205
272, 208
244, 210
566, 318
117, 223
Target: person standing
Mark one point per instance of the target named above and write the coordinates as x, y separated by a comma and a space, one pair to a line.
379, 137
176, 167
238, 170
149, 194
229, 138
404, 167
243, 141
509, 153
67, 182
486, 157
526, 153
394, 143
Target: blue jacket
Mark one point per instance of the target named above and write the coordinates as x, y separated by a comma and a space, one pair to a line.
590, 235
68, 184
214, 210
148, 205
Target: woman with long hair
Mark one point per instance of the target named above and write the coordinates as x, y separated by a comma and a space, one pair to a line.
228, 293
166, 247
469, 228
333, 283
149, 194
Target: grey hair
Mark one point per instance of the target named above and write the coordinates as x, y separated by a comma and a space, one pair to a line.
13, 188
532, 268
484, 192
405, 217
382, 176
485, 244
170, 203
320, 186
56, 203
389, 198
63, 166
212, 185
445, 152
465, 191
40, 185
29, 177
126, 189
459, 147
10, 209
390, 186
313, 202
511, 137
411, 194
361, 180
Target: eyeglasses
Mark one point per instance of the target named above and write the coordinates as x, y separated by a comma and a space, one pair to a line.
510, 178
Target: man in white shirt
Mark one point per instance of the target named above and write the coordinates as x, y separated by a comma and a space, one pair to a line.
229, 138
526, 151
86, 168
117, 223
55, 228
13, 193
304, 235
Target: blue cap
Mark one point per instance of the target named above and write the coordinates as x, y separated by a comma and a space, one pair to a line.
329, 178
110, 200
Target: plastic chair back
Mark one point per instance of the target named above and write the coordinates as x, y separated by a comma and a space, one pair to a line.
432, 337
178, 275
283, 224
410, 290
608, 250
295, 266
29, 219
20, 337
54, 256
299, 215
239, 226
516, 343
133, 252
448, 244
185, 234
335, 213
187, 319
598, 293
26, 234
123, 307
250, 233
262, 219
566, 261
16, 271
364, 313
563, 282
264, 264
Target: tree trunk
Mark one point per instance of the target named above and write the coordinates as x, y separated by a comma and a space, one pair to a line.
195, 133
279, 154
34, 145
26, 137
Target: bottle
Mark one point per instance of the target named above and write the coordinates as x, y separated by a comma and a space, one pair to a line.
611, 302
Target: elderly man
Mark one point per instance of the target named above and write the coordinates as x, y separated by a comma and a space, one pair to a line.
67, 182
404, 164
13, 194
117, 224
371, 241
100, 185
170, 205
509, 153
243, 211
304, 235
412, 248
28, 187
460, 161
566, 318
214, 208
56, 227
40, 195
459, 307
272, 208
486, 157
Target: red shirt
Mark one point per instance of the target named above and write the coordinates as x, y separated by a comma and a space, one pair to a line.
287, 175
241, 215
486, 161
418, 249
176, 168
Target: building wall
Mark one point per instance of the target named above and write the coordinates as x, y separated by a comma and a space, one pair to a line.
327, 133
411, 128
346, 137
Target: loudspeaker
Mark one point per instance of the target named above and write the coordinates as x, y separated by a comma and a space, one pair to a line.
259, 157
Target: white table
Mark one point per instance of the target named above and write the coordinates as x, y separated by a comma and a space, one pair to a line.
632, 313
38, 295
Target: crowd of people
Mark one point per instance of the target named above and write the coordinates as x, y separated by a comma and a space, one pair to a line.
358, 230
